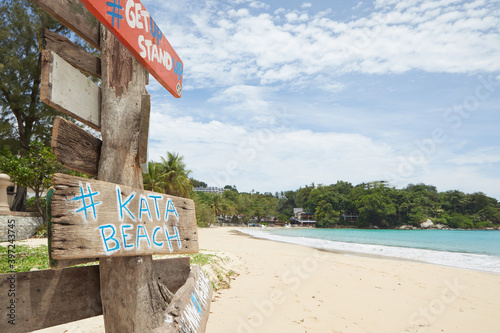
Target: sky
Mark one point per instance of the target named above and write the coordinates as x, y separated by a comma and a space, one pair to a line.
278, 95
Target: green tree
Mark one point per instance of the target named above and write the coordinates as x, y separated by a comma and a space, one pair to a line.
204, 214
23, 117
375, 208
175, 175
33, 170
453, 201
325, 215
197, 183
216, 202
153, 180
491, 214
286, 204
22, 113
262, 206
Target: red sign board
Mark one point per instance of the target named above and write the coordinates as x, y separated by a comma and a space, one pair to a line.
131, 23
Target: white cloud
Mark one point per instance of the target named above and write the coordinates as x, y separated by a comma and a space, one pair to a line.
228, 154
224, 46
480, 156
244, 62
248, 104
274, 158
258, 4
358, 5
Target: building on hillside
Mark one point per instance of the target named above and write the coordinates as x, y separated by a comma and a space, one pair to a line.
210, 189
302, 218
350, 216
378, 183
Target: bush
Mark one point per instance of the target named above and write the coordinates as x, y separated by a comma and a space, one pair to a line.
416, 218
483, 224
439, 220
460, 221
31, 204
204, 215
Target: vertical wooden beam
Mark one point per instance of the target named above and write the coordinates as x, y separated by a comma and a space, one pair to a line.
131, 296
144, 132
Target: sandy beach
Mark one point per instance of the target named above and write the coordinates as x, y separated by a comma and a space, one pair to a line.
290, 288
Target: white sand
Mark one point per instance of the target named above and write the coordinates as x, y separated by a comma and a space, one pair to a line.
290, 288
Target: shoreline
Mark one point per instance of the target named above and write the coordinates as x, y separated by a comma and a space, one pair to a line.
295, 288
481, 262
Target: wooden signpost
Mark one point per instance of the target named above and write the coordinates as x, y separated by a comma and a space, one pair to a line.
69, 91
92, 218
53, 297
113, 218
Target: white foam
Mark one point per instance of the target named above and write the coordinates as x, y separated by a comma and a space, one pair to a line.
480, 262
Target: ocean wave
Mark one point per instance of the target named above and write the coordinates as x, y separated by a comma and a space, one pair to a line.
479, 262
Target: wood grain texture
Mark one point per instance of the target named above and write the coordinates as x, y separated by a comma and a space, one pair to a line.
141, 301
144, 132
75, 148
47, 298
66, 89
72, 53
189, 309
172, 272
74, 15
53, 263
125, 222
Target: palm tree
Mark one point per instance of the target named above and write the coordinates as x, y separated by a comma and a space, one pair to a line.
153, 180
175, 176
217, 203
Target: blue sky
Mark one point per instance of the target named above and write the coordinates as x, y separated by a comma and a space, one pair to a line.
281, 94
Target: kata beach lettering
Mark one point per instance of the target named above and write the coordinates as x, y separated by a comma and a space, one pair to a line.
132, 208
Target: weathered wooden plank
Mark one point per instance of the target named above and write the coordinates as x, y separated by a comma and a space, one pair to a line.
47, 298
74, 15
75, 148
190, 307
53, 263
66, 89
172, 272
72, 53
144, 132
91, 218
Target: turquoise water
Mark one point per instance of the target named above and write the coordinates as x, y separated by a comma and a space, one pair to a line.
465, 241
477, 249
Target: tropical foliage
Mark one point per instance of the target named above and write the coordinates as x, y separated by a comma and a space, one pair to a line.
169, 177
23, 116
32, 170
373, 205
175, 176
376, 205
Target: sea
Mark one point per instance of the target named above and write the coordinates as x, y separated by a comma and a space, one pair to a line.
469, 249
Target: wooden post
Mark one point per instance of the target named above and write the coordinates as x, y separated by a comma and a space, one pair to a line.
131, 297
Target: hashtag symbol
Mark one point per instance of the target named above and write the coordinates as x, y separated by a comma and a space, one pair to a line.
115, 13
90, 195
